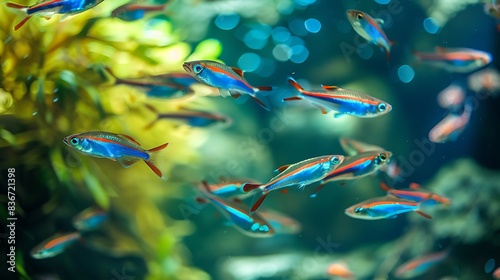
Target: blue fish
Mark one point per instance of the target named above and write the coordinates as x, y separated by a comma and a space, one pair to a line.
54, 245
191, 117
133, 11
49, 8
117, 147
383, 208
89, 219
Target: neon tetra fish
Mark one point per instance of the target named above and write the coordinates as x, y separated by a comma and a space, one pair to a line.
54, 245
302, 173
459, 60
49, 8
418, 266
417, 194
89, 219
342, 101
451, 126
134, 11
229, 80
191, 117
117, 147
369, 28
355, 167
385, 207
254, 226
451, 97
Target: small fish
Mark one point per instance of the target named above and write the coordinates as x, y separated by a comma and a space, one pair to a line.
254, 226
451, 126
459, 60
154, 86
230, 189
134, 11
54, 245
191, 117
339, 269
281, 223
229, 80
353, 147
385, 207
420, 265
342, 101
89, 219
451, 97
369, 28
355, 167
487, 80
417, 194
49, 8
302, 173
117, 147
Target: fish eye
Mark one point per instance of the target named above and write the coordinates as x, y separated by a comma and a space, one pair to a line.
197, 69
358, 209
335, 160
359, 16
382, 107
74, 141
382, 157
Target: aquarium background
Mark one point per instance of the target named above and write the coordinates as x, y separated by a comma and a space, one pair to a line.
53, 83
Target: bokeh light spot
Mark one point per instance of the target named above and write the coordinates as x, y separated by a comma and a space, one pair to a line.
312, 25
406, 73
431, 25
249, 62
227, 21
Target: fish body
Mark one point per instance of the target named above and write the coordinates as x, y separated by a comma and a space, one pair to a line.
451, 97
229, 80
54, 245
456, 60
451, 126
117, 147
342, 101
301, 174
230, 189
133, 11
281, 223
254, 226
49, 8
419, 265
192, 118
383, 208
89, 219
417, 194
370, 29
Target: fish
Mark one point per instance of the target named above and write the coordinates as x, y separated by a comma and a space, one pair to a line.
385, 207
237, 215
281, 223
229, 80
420, 265
492, 10
301, 173
192, 118
342, 101
117, 147
456, 60
54, 245
487, 80
357, 166
230, 189
417, 194
353, 147
451, 126
339, 269
89, 219
49, 8
370, 29
154, 86
134, 11
451, 97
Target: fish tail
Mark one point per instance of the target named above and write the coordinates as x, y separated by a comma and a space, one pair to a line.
425, 215
21, 23
117, 80
17, 6
316, 191
152, 109
263, 101
151, 163
247, 187
259, 195
296, 85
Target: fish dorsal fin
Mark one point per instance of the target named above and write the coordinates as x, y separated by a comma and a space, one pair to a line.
127, 161
379, 21
130, 138
414, 186
282, 168
238, 71
332, 88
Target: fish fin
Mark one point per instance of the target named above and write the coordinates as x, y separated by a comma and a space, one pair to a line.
295, 84
293, 98
425, 215
338, 115
16, 6
247, 187
388, 55
331, 88
258, 202
234, 94
316, 191
262, 102
156, 149
238, 71
205, 185
264, 88
130, 138
284, 191
379, 21
155, 169
384, 186
323, 109
224, 93
127, 161
21, 23
150, 125
414, 186
151, 108
282, 168
201, 200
